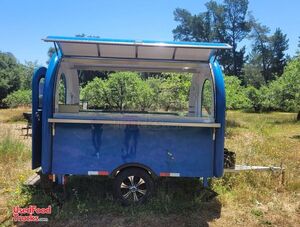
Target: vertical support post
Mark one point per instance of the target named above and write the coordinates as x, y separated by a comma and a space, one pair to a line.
282, 173
60, 179
205, 182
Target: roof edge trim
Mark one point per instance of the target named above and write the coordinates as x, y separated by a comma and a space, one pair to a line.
196, 45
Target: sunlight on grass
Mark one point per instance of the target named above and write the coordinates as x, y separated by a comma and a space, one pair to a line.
263, 139
248, 198
13, 115
14, 169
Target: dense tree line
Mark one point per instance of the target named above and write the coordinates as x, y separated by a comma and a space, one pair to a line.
169, 91
257, 80
13, 76
281, 94
128, 91
231, 22
263, 79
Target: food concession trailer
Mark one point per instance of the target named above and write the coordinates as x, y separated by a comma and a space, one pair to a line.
133, 148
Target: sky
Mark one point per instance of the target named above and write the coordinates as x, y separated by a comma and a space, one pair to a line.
23, 24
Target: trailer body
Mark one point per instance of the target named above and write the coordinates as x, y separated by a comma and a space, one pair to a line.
69, 141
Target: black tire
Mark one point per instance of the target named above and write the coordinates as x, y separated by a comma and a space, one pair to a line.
133, 186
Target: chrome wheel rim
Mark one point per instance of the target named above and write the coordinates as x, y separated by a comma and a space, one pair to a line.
133, 188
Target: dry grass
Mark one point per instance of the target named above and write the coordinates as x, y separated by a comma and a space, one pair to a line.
259, 198
14, 159
13, 115
14, 167
245, 199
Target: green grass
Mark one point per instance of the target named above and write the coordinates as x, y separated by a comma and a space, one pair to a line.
14, 169
249, 198
12, 150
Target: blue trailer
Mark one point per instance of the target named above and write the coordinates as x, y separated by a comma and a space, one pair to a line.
132, 148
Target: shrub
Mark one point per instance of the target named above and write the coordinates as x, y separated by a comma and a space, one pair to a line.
145, 96
18, 98
285, 91
122, 89
236, 97
174, 91
155, 85
95, 92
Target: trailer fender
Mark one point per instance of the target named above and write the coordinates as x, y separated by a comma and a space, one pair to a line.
116, 171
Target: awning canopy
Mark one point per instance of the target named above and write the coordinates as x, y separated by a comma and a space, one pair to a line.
99, 52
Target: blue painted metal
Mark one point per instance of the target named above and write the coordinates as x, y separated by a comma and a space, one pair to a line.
37, 117
48, 106
59, 179
220, 118
79, 148
205, 182
131, 41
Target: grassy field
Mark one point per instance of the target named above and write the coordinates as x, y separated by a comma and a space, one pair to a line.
245, 199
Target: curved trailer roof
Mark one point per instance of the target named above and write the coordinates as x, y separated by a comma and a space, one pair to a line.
134, 54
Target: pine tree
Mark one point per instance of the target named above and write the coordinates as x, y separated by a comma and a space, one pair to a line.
278, 46
225, 22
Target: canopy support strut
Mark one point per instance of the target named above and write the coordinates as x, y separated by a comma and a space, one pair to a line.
55, 46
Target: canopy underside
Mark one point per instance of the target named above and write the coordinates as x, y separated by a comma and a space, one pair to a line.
112, 54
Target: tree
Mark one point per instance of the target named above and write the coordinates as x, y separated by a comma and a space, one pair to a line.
145, 96
252, 74
254, 96
284, 92
85, 76
268, 52
261, 49
278, 46
95, 92
236, 97
27, 74
18, 98
225, 22
236, 30
183, 31
50, 52
122, 88
174, 91
10, 72
155, 85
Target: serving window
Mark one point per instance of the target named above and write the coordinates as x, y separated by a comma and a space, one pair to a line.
105, 92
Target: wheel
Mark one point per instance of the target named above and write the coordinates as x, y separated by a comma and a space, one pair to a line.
133, 186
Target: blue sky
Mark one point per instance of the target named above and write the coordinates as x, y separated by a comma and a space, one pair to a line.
24, 23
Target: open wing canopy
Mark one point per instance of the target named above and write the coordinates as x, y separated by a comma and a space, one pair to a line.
137, 54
